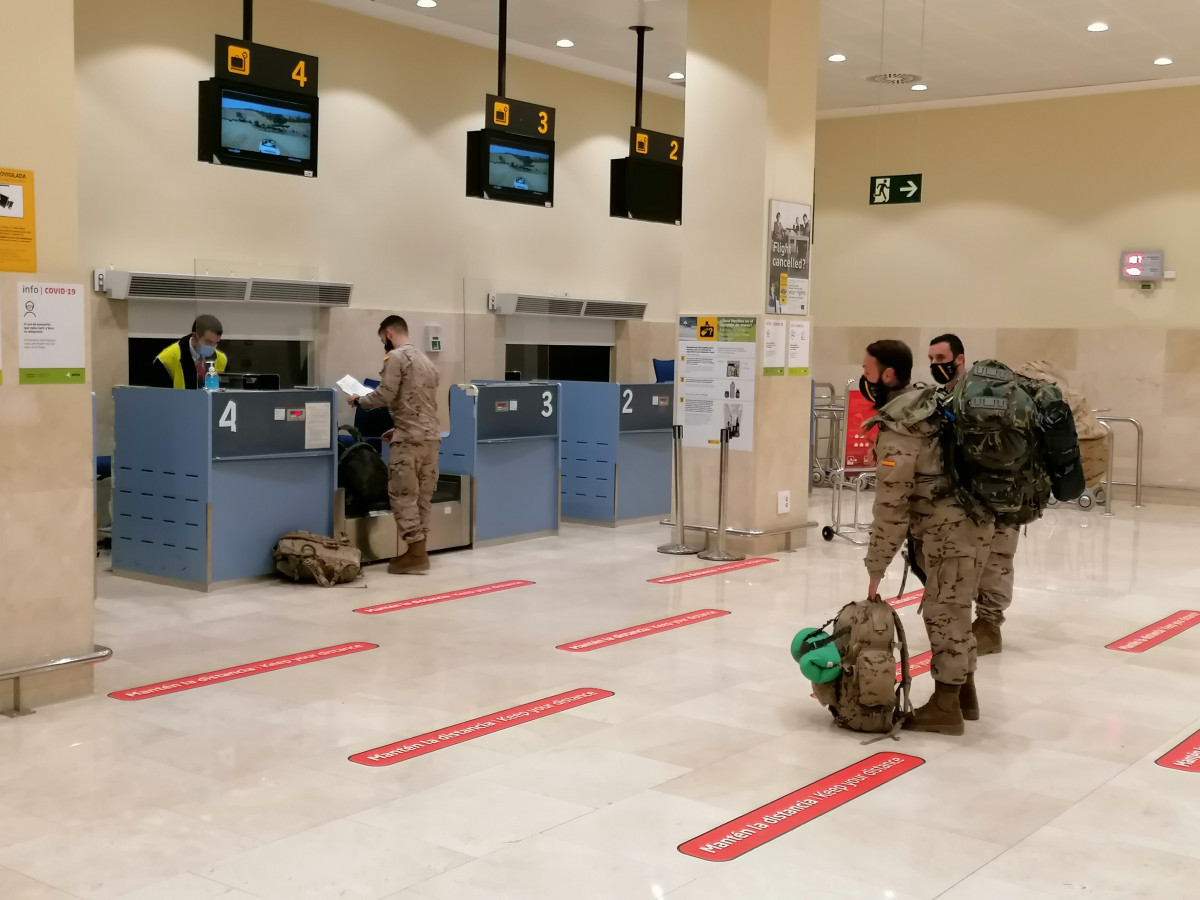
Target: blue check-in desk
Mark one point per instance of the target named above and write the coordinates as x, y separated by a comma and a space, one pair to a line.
505, 435
616, 451
205, 483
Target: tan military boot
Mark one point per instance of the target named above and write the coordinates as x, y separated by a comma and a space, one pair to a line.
941, 715
413, 561
968, 700
987, 637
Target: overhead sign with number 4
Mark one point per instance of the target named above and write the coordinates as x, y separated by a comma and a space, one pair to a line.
263, 66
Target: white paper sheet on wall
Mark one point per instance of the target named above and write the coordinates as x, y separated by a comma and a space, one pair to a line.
318, 426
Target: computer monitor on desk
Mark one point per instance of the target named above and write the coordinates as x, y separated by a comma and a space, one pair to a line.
245, 381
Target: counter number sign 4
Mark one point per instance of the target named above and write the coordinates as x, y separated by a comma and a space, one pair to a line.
229, 417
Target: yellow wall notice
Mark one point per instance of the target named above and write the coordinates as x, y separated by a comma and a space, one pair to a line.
18, 227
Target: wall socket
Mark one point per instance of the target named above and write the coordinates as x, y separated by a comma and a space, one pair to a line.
785, 502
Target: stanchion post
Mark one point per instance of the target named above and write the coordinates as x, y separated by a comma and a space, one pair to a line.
720, 554
1108, 471
679, 547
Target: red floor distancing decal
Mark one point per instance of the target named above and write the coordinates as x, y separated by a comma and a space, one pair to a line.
766, 823
713, 570
917, 665
255, 668
909, 599
1153, 635
640, 631
1185, 757
442, 598
412, 747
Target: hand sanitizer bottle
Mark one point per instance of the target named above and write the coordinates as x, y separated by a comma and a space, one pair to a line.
211, 381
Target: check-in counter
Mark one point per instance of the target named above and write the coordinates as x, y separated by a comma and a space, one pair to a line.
205, 483
616, 451
505, 436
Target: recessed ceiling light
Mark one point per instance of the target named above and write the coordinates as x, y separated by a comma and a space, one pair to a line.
1163, 61
676, 76
838, 57
1098, 26
564, 43
427, 4
920, 87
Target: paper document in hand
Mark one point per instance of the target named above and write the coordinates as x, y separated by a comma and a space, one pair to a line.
352, 386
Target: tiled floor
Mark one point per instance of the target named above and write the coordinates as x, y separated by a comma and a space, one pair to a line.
243, 790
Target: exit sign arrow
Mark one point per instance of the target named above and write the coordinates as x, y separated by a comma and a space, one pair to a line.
887, 190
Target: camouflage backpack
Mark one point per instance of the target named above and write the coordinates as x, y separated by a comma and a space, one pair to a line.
868, 695
991, 449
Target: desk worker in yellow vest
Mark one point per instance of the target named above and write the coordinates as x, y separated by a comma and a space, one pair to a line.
408, 388
184, 363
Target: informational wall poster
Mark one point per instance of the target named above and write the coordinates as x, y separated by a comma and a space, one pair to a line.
52, 348
775, 349
789, 229
18, 225
799, 343
718, 362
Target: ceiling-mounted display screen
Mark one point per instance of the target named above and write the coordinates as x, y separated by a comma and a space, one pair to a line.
505, 167
258, 128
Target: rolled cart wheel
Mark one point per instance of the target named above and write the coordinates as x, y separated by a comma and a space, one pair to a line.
818, 477
1053, 501
1101, 495
827, 533
1086, 500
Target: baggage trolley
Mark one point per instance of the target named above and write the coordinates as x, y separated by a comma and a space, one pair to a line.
826, 436
855, 470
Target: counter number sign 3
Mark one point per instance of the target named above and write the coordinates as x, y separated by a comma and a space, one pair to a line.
888, 190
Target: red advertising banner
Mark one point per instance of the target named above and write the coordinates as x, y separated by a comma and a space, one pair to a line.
1153, 635
713, 570
745, 833
1185, 757
859, 445
441, 598
412, 747
909, 599
254, 668
640, 631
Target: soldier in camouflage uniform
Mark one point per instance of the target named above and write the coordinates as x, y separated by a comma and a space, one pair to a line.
912, 496
947, 362
408, 388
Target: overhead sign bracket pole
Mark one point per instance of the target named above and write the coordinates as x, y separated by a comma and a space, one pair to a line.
502, 55
641, 71
248, 21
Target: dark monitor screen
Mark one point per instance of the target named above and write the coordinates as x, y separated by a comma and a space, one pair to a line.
647, 190
264, 128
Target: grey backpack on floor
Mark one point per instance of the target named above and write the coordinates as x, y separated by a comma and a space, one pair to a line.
304, 556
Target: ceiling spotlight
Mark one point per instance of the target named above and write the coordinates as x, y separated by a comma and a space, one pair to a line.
1163, 61
427, 4
920, 87
1098, 26
564, 43
838, 57
676, 76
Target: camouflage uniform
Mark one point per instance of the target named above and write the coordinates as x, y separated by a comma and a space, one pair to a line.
996, 583
913, 497
408, 388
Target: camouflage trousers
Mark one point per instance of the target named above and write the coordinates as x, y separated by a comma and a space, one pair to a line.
996, 583
952, 551
412, 478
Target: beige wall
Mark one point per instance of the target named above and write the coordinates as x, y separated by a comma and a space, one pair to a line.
388, 210
47, 530
1016, 248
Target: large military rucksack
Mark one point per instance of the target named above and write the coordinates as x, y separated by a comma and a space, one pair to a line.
867, 694
1058, 442
304, 556
363, 475
991, 447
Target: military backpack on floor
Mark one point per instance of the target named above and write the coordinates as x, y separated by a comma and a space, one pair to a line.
304, 556
853, 667
363, 475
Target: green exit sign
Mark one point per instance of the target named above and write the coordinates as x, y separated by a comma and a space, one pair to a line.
887, 190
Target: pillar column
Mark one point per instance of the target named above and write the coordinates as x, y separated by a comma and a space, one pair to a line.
47, 524
752, 70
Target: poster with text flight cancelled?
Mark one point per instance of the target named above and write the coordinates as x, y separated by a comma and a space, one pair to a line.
715, 374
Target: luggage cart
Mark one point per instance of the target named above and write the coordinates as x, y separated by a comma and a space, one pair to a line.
855, 470
826, 437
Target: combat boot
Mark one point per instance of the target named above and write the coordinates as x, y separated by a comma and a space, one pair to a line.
941, 715
414, 560
968, 700
987, 637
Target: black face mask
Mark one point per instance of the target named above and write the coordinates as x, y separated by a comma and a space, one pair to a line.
388, 345
943, 373
876, 392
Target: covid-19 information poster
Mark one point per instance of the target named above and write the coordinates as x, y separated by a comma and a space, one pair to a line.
52, 346
789, 234
717, 365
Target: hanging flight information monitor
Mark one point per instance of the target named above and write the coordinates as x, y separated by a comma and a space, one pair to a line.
648, 185
512, 159
260, 110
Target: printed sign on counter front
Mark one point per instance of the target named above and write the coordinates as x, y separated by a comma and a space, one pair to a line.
52, 348
789, 234
716, 371
18, 223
